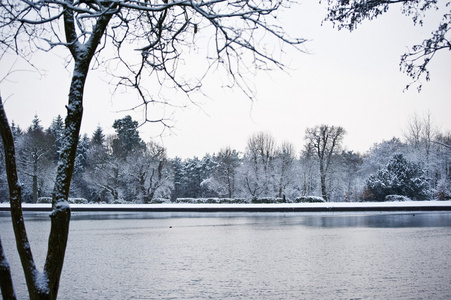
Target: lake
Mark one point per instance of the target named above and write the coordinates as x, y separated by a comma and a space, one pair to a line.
246, 255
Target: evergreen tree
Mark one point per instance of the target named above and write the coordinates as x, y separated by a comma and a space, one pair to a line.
80, 188
16, 130
193, 177
399, 177
36, 124
36, 159
208, 184
226, 173
179, 190
98, 138
127, 139
55, 132
101, 170
351, 164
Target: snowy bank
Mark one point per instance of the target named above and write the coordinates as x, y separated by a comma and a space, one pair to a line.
276, 207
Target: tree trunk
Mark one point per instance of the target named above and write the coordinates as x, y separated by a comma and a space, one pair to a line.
229, 185
35, 178
15, 198
60, 216
6, 283
45, 285
323, 181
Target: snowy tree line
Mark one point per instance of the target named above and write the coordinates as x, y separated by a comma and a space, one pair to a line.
124, 168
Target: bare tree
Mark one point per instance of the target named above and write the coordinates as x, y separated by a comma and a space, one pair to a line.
350, 166
105, 174
414, 131
149, 172
308, 171
260, 154
159, 32
420, 134
349, 14
285, 161
228, 162
326, 142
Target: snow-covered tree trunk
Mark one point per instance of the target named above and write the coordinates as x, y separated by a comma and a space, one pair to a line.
6, 283
35, 177
230, 186
323, 180
60, 215
15, 198
325, 140
44, 285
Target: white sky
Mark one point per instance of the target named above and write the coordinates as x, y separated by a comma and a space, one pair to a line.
347, 79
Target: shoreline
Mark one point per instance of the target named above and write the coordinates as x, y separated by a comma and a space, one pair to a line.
279, 207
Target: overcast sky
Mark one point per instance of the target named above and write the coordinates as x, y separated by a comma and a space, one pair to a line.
346, 79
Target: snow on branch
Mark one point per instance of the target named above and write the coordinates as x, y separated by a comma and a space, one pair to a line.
152, 41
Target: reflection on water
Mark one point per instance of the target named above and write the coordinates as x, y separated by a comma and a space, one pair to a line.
384, 220
393, 220
247, 255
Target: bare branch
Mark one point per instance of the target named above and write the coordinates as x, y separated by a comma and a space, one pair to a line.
442, 144
349, 14
160, 32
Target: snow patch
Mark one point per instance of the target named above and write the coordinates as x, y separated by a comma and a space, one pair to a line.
65, 204
325, 206
41, 281
61, 205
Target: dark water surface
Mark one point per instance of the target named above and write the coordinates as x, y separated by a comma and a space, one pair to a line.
246, 255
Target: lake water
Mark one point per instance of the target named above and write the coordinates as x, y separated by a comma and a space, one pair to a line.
247, 255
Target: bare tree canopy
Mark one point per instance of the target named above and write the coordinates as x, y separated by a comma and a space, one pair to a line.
238, 35
349, 14
326, 141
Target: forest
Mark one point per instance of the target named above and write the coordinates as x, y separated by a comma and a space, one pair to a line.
123, 168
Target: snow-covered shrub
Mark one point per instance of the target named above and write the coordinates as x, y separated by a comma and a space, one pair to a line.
309, 199
70, 200
211, 186
159, 201
119, 201
44, 200
215, 200
210, 200
197, 200
398, 177
232, 200
185, 200
260, 200
267, 200
396, 198
78, 201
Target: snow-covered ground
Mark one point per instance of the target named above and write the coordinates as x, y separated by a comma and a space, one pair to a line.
343, 206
